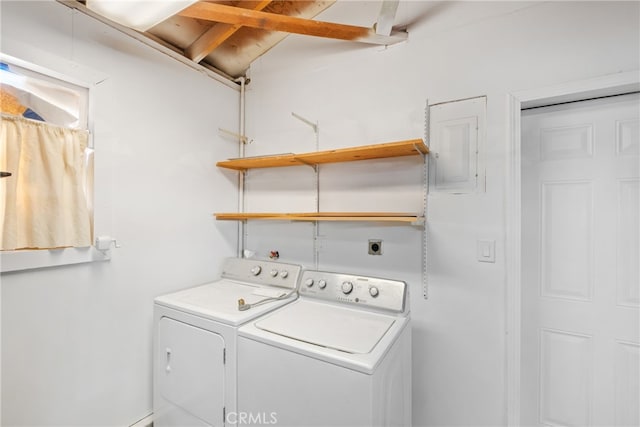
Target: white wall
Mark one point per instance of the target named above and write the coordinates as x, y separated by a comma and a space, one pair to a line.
76, 340
362, 95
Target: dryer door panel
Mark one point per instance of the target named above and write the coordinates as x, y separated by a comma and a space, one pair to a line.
190, 369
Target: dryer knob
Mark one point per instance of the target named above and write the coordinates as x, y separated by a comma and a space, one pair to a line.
373, 291
322, 284
284, 274
256, 270
273, 273
309, 282
347, 287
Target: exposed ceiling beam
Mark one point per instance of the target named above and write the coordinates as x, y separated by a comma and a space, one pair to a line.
289, 24
217, 34
204, 68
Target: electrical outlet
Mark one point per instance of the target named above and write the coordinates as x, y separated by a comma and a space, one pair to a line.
375, 247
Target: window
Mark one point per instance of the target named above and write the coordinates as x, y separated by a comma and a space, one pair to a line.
59, 102
45, 152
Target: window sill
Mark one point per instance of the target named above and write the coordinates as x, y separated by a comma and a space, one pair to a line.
27, 260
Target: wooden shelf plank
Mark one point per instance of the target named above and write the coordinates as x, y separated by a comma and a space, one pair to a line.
324, 216
409, 147
245, 163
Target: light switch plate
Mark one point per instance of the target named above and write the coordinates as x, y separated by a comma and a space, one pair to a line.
486, 250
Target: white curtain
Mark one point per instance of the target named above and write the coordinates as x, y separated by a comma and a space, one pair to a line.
43, 203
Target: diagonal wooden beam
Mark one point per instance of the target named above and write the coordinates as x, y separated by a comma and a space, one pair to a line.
289, 24
216, 35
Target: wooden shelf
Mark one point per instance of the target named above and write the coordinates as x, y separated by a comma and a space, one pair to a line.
409, 147
325, 216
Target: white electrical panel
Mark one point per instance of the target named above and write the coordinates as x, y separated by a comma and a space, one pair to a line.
457, 132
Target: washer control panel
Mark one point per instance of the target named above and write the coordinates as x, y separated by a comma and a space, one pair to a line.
363, 291
262, 272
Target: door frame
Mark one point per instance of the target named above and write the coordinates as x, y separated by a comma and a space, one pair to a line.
612, 84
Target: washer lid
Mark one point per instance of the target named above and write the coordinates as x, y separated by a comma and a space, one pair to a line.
339, 328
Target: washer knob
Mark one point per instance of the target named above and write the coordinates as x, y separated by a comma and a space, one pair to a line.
256, 270
309, 282
347, 287
273, 273
284, 274
373, 291
322, 284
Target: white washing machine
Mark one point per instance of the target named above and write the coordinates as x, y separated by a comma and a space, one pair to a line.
340, 355
195, 331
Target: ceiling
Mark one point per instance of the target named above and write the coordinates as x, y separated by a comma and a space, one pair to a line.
228, 36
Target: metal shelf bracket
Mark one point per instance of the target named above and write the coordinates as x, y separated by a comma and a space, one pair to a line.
240, 138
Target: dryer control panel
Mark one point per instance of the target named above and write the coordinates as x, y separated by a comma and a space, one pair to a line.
363, 291
262, 272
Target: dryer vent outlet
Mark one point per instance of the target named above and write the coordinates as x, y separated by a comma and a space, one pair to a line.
375, 247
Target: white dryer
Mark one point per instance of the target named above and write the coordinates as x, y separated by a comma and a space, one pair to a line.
340, 355
195, 330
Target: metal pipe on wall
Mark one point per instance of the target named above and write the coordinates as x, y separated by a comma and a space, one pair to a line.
241, 181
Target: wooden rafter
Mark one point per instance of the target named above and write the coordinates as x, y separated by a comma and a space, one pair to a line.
289, 24
216, 35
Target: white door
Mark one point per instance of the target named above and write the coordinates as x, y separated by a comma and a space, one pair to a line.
580, 263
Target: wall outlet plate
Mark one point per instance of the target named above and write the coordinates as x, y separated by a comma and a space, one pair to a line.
375, 247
